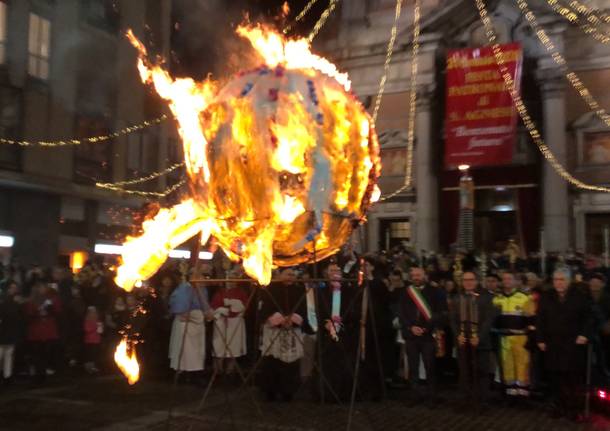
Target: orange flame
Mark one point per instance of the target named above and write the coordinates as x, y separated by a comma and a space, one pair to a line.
274, 155
291, 54
128, 364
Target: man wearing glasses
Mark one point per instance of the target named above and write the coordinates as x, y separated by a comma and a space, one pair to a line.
471, 317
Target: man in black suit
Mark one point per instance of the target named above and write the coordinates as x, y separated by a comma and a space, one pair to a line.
471, 317
421, 309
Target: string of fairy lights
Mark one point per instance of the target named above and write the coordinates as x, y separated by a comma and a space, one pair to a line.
323, 18
561, 62
520, 106
592, 15
412, 102
88, 140
388, 60
150, 177
300, 16
587, 26
163, 194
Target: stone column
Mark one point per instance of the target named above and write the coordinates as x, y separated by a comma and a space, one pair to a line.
424, 164
426, 183
554, 189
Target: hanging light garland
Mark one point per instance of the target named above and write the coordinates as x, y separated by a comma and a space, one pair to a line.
165, 193
300, 16
90, 140
560, 60
142, 179
323, 18
573, 17
520, 106
388, 60
592, 15
412, 101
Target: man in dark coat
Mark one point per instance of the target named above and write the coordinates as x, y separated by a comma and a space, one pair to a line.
283, 313
563, 327
421, 309
471, 317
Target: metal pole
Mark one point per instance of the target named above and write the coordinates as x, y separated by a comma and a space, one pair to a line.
588, 386
318, 335
606, 244
542, 256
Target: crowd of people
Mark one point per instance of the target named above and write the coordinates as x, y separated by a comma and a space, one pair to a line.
351, 328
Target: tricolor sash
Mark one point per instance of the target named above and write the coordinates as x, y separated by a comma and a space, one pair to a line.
312, 317
420, 302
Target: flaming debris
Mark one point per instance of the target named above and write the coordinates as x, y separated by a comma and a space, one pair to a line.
127, 363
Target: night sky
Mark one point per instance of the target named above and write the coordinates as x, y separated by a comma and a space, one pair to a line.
203, 38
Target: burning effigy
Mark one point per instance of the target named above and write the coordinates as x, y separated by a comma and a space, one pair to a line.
282, 161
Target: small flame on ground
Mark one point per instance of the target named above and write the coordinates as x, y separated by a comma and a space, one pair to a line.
128, 364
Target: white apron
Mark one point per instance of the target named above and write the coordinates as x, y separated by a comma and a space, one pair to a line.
193, 354
287, 346
229, 337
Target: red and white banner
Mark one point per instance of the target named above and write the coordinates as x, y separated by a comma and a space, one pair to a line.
480, 118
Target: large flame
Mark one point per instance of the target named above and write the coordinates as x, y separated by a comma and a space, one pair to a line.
128, 364
282, 160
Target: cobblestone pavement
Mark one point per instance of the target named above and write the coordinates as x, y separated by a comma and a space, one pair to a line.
110, 404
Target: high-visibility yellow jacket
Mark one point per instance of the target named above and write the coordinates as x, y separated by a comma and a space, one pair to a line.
516, 312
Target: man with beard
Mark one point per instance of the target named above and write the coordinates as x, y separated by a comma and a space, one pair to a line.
562, 332
282, 313
421, 310
472, 315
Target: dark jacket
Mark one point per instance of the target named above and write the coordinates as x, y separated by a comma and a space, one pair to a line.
559, 323
11, 321
409, 315
283, 299
486, 315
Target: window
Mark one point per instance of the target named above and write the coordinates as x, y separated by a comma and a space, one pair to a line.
11, 106
104, 14
39, 47
3, 25
394, 232
92, 161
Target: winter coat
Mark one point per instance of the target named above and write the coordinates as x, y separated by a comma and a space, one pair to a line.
558, 324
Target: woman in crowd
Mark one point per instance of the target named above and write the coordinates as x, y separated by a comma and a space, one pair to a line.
93, 328
229, 340
42, 311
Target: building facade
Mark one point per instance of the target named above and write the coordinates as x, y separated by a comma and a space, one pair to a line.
526, 199
67, 71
